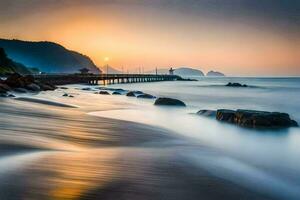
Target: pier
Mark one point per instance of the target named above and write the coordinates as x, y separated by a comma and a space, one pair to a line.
104, 79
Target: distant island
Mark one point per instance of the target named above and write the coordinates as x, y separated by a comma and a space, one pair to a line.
48, 57
214, 73
182, 71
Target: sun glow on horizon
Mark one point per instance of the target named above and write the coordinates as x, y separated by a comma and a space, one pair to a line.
134, 36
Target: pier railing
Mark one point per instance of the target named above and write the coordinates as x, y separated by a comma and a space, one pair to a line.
94, 79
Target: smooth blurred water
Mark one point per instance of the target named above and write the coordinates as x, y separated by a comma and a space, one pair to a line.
50, 151
269, 156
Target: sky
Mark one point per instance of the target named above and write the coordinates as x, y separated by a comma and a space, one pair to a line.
236, 37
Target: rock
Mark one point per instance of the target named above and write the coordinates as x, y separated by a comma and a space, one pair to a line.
169, 102
138, 92
262, 119
20, 90
87, 89
116, 93
4, 88
27, 79
63, 88
71, 96
104, 93
65, 95
146, 96
11, 95
225, 115
235, 85
256, 119
47, 87
130, 94
134, 93
33, 87
14, 81
207, 113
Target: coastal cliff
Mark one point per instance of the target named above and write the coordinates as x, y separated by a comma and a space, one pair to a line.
47, 56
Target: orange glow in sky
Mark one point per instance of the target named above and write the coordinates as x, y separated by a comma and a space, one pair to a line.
132, 36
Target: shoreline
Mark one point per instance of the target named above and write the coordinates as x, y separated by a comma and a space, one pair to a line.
102, 158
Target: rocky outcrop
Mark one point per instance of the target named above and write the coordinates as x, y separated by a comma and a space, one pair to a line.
207, 113
256, 119
116, 93
134, 93
168, 102
146, 96
235, 85
130, 94
22, 84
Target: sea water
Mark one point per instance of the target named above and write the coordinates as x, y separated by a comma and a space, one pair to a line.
249, 157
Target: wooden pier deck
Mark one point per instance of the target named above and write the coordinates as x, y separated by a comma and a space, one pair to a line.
105, 79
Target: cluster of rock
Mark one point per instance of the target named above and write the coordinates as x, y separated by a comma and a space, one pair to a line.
137, 94
252, 118
235, 85
22, 84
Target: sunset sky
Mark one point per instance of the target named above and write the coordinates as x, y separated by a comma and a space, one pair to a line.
237, 37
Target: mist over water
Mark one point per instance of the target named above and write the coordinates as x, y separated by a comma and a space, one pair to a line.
249, 156
118, 147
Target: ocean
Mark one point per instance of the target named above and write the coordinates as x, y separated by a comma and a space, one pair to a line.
113, 146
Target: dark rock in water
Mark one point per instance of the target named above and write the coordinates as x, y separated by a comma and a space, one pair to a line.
134, 93
87, 89
169, 102
185, 79
256, 119
71, 96
104, 93
207, 113
47, 86
63, 88
111, 89
11, 95
130, 94
235, 85
65, 95
20, 90
138, 92
116, 93
146, 96
225, 115
33, 87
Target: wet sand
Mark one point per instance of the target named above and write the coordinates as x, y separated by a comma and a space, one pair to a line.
55, 152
